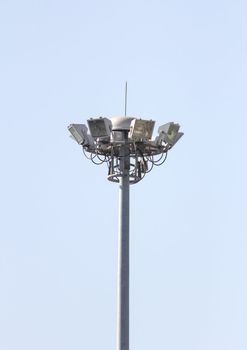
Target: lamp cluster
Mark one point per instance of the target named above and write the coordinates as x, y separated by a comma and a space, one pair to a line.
108, 140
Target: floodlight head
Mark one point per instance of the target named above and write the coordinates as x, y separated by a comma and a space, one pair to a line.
100, 127
79, 133
169, 134
169, 128
141, 129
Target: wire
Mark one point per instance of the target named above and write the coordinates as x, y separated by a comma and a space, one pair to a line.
155, 161
152, 165
141, 159
88, 157
158, 163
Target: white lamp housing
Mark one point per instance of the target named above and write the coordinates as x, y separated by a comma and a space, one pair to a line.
169, 134
141, 129
79, 133
100, 127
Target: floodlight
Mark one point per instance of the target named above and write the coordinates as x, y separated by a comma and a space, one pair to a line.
100, 127
169, 128
169, 133
78, 133
141, 129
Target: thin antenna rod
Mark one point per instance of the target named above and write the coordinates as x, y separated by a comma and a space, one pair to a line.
126, 90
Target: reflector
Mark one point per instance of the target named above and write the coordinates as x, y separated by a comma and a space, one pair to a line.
169, 133
99, 127
141, 129
78, 132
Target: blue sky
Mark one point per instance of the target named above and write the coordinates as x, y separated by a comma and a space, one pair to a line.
64, 62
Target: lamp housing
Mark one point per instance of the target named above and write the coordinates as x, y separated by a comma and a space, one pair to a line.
100, 127
169, 134
79, 133
141, 129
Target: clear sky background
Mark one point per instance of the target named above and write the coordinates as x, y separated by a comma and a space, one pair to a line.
66, 61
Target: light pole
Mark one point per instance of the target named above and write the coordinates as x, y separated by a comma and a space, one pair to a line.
126, 145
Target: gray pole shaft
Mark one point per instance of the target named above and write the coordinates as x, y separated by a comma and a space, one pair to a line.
123, 254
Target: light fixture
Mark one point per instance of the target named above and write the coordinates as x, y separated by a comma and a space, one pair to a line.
100, 127
79, 133
169, 134
141, 129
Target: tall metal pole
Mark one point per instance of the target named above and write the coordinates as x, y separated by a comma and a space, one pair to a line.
115, 142
123, 250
